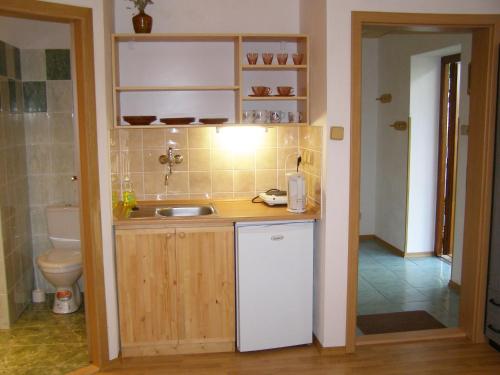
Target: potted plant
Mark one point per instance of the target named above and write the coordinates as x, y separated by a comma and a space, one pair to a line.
143, 23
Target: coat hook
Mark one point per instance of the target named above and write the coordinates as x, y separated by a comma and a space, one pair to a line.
385, 98
399, 125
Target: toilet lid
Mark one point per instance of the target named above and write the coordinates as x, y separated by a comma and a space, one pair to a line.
60, 259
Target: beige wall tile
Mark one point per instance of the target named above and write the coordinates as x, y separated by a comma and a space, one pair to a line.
270, 138
244, 181
178, 183
288, 156
200, 183
177, 196
199, 159
244, 160
199, 138
134, 158
115, 161
222, 181
59, 96
154, 183
244, 195
62, 158
37, 128
39, 158
131, 139
266, 158
154, 138
114, 139
265, 180
222, 159
200, 196
61, 127
288, 137
150, 159
176, 138
222, 195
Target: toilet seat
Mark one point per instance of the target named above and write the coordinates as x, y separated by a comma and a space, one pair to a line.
60, 260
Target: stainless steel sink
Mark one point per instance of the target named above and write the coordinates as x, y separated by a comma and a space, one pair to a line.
172, 210
195, 210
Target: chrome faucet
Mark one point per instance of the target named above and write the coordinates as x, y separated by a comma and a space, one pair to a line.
170, 159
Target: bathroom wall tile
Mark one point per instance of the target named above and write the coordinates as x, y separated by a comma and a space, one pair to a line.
154, 183
37, 128
3, 59
14, 105
151, 163
38, 220
266, 158
223, 181
176, 138
39, 159
265, 180
35, 96
61, 128
178, 183
199, 159
19, 96
199, 138
10, 59
244, 181
200, 182
4, 95
3, 278
58, 64
288, 137
39, 189
154, 138
17, 63
59, 96
62, 158
222, 159
33, 65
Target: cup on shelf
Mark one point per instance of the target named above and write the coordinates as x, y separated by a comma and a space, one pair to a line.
261, 90
285, 90
282, 58
252, 57
267, 58
295, 117
275, 116
297, 58
261, 116
248, 117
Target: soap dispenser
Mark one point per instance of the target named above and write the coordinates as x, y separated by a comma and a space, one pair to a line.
128, 193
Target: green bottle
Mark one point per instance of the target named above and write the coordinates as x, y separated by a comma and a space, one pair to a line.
128, 193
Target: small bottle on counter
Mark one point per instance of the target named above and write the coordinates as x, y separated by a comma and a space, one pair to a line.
128, 193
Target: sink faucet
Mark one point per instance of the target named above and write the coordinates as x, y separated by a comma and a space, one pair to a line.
170, 159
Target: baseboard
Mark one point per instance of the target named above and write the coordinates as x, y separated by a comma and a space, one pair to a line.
387, 245
422, 254
413, 336
453, 285
334, 350
173, 347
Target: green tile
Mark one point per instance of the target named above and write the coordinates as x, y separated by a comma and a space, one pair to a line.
35, 96
58, 64
17, 62
3, 59
13, 96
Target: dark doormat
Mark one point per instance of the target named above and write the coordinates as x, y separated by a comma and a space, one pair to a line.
397, 322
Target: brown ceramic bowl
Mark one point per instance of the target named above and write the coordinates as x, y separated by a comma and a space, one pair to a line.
213, 120
139, 120
177, 120
261, 90
285, 90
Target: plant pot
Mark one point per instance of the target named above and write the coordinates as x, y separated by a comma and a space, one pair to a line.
143, 23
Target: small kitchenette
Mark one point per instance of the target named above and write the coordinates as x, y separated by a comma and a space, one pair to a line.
240, 277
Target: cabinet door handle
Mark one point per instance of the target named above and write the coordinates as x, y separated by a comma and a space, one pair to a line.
492, 327
169, 236
494, 303
182, 235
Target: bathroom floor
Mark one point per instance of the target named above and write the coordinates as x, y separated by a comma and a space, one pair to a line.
389, 283
42, 342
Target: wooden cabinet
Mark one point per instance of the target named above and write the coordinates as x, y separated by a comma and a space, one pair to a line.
205, 75
176, 290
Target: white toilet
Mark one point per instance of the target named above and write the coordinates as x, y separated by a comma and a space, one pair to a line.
62, 265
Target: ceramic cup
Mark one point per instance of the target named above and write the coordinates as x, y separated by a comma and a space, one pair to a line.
275, 116
267, 58
261, 117
285, 90
252, 58
297, 58
248, 117
282, 58
261, 90
295, 117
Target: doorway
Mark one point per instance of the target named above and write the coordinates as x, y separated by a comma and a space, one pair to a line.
478, 195
447, 164
80, 21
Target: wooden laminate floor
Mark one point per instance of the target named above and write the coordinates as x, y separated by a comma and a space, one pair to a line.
451, 356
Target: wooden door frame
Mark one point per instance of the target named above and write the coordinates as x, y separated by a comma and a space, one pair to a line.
485, 40
444, 164
80, 20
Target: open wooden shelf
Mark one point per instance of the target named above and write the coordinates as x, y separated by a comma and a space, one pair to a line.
225, 125
176, 88
273, 67
270, 98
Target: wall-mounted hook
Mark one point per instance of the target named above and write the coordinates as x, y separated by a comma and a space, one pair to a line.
385, 98
399, 125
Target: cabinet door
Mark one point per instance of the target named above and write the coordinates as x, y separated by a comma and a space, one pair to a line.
145, 260
206, 291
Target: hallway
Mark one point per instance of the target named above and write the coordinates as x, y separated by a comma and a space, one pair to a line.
390, 283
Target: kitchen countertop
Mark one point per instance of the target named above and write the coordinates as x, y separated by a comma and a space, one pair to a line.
227, 211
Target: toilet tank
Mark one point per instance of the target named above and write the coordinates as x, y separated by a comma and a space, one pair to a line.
64, 226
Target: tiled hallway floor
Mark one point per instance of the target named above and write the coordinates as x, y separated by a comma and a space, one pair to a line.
41, 342
390, 283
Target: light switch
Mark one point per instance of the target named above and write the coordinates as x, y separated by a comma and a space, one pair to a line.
337, 133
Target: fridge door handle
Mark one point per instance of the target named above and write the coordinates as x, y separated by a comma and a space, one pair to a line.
277, 237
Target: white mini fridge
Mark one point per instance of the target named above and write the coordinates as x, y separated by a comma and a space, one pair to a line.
274, 283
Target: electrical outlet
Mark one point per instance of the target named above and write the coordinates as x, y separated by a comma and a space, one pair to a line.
337, 133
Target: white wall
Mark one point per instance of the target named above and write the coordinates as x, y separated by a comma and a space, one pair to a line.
369, 124
336, 209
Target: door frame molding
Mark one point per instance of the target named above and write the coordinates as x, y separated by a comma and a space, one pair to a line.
485, 40
80, 20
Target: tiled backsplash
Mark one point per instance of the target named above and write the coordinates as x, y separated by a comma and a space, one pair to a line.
224, 163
